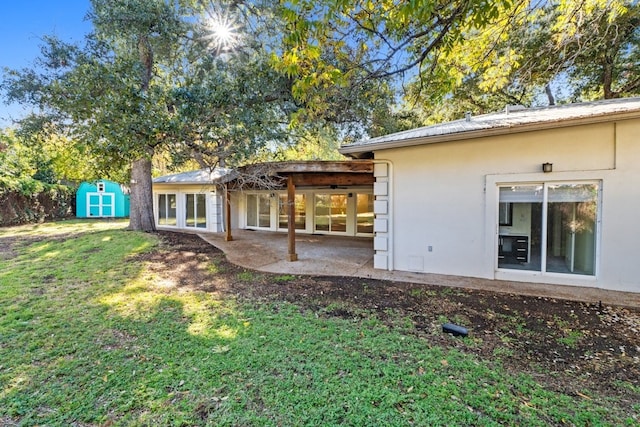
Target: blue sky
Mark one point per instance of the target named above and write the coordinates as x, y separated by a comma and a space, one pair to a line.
24, 22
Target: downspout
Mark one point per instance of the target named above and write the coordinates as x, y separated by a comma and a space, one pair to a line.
227, 211
391, 218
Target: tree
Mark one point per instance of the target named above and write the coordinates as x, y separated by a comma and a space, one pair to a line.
543, 52
333, 43
148, 81
112, 93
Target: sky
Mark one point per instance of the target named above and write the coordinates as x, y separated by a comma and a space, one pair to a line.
24, 23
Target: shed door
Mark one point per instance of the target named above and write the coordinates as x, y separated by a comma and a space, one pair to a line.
101, 204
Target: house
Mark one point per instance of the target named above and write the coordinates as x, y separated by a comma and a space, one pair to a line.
102, 199
326, 198
544, 195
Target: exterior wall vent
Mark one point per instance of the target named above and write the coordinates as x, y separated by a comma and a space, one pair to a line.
513, 108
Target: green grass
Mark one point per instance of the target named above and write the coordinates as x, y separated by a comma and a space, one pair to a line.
90, 335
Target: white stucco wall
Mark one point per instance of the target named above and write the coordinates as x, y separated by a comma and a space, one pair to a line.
444, 199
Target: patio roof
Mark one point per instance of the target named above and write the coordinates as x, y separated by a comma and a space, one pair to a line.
274, 174
302, 174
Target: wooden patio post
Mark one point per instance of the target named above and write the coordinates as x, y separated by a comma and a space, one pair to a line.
291, 218
227, 214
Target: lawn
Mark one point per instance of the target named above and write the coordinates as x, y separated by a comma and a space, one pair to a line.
102, 326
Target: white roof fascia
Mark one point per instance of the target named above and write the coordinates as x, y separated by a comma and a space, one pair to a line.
403, 141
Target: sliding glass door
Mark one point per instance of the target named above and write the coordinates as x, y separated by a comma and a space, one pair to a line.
196, 211
548, 227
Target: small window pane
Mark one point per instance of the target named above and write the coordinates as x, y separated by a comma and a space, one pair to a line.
339, 213
191, 220
322, 211
252, 210
201, 211
365, 213
264, 213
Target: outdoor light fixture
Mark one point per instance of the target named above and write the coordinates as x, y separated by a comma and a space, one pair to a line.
547, 167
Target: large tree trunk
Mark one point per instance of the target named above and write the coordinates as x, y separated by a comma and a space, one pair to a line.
141, 209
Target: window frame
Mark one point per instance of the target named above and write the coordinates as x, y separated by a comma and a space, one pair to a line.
544, 231
196, 218
258, 196
166, 210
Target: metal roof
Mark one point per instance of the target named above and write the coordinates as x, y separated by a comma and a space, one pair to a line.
201, 176
511, 120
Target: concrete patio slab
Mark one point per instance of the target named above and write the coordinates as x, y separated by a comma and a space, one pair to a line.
321, 255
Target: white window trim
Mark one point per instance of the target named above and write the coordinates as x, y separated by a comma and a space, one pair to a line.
492, 184
156, 202
195, 207
271, 196
101, 204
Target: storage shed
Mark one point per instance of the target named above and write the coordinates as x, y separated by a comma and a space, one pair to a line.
102, 199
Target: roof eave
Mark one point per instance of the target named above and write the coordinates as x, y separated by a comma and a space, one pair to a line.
483, 133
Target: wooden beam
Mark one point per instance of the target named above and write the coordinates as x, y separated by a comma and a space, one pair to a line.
352, 166
329, 178
227, 214
285, 168
291, 219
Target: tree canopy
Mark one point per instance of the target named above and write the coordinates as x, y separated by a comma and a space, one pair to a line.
230, 83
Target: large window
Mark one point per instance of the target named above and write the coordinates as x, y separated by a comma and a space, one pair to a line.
331, 212
167, 209
552, 227
258, 210
196, 209
300, 212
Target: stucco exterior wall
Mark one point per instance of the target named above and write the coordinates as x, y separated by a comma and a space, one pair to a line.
444, 199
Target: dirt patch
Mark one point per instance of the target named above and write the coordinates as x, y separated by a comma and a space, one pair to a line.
572, 347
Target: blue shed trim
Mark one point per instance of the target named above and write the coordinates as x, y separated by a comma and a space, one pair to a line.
101, 199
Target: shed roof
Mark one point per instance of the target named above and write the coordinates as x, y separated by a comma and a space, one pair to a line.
511, 120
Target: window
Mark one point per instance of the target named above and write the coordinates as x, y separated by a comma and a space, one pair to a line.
331, 212
300, 212
364, 213
196, 211
505, 213
553, 227
258, 210
167, 209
